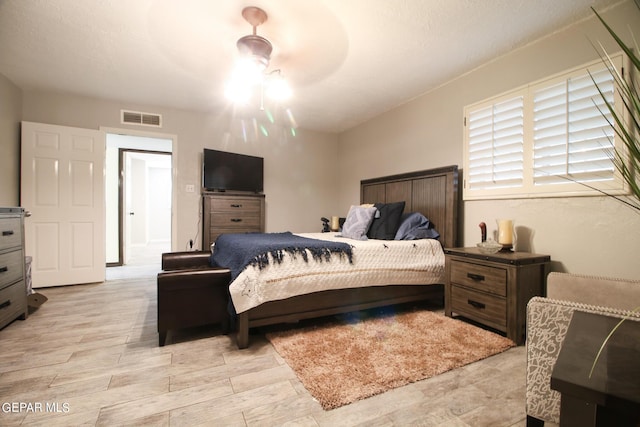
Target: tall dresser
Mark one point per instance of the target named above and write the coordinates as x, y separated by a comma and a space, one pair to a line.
13, 291
229, 212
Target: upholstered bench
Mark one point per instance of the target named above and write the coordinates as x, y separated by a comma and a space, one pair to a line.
191, 293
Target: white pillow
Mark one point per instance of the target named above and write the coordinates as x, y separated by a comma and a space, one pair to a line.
358, 222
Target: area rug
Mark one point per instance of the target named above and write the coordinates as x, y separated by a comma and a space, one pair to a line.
352, 358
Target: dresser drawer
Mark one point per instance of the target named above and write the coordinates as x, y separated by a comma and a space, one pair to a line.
235, 220
11, 267
214, 233
235, 205
481, 277
13, 301
478, 306
10, 233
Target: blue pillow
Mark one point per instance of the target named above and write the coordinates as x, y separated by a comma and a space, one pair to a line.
358, 222
414, 226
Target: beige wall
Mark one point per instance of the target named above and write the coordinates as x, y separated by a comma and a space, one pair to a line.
592, 235
316, 174
297, 186
10, 116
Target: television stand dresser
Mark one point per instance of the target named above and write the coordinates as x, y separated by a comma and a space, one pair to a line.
230, 212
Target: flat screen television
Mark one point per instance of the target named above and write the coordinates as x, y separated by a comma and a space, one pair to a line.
224, 171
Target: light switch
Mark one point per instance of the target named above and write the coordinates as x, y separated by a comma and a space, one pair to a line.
190, 188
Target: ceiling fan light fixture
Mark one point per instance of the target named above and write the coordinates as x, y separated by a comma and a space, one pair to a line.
277, 88
256, 48
250, 73
237, 92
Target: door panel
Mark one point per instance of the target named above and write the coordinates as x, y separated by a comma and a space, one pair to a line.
46, 252
45, 185
62, 185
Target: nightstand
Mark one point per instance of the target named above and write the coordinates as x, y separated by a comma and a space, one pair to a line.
493, 289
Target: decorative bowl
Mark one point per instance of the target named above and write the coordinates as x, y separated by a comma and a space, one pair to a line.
489, 247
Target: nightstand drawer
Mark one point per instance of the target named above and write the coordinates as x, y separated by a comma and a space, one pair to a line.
481, 277
479, 306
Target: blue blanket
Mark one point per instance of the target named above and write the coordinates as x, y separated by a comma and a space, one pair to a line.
237, 251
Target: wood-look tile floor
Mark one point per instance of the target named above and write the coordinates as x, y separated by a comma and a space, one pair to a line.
90, 356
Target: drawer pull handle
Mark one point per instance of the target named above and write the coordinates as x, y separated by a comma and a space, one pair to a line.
4, 269
476, 304
476, 277
5, 304
236, 219
236, 206
7, 232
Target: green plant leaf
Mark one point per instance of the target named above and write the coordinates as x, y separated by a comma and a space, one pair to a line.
626, 124
606, 340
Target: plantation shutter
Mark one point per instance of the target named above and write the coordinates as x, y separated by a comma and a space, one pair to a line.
495, 145
554, 137
572, 134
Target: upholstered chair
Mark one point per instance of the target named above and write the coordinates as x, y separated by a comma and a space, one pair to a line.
547, 322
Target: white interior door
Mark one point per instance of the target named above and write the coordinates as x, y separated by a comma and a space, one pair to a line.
62, 185
128, 211
136, 203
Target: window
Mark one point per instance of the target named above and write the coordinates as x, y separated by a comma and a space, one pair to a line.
549, 138
496, 135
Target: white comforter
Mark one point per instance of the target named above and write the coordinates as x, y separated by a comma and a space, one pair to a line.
375, 262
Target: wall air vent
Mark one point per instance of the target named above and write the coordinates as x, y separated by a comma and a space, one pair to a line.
139, 118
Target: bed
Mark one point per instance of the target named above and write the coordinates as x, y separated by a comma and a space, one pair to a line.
402, 271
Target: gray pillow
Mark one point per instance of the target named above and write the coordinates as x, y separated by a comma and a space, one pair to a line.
358, 222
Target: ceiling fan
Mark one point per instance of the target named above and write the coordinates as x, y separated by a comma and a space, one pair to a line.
255, 46
250, 75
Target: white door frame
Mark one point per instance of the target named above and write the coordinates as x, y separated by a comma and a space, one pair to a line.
174, 163
126, 216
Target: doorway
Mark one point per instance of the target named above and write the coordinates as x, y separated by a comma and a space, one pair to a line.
145, 206
139, 205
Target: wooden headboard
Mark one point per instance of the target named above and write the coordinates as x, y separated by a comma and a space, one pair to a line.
433, 192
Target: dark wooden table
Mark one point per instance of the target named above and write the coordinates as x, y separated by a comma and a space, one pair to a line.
611, 396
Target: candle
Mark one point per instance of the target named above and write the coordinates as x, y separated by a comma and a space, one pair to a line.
505, 231
335, 223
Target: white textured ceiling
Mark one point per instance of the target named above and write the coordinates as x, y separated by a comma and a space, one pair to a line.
347, 60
